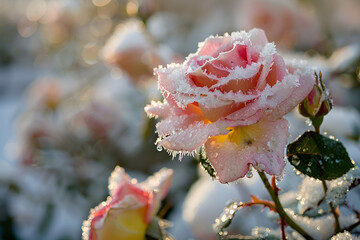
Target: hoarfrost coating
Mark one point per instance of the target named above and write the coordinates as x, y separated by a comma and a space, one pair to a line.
230, 97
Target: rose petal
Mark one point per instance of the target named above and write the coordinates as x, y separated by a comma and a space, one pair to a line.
120, 185
258, 37
305, 74
159, 185
157, 109
249, 120
261, 144
213, 114
277, 72
269, 99
212, 46
175, 123
190, 138
235, 57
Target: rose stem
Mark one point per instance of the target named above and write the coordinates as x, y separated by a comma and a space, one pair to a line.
280, 209
282, 220
332, 209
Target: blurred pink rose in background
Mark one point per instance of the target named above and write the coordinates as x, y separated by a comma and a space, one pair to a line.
287, 23
132, 49
130, 207
230, 96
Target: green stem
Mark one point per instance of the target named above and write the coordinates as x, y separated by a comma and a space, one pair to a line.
316, 122
280, 208
332, 209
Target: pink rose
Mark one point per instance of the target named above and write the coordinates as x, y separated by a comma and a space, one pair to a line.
230, 97
132, 50
288, 23
130, 207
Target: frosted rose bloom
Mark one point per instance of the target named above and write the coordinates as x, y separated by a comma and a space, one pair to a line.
230, 96
130, 207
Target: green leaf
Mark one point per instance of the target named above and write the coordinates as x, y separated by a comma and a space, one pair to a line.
225, 218
205, 163
154, 230
319, 157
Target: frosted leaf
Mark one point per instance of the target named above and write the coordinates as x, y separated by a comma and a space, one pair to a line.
225, 218
345, 236
310, 193
266, 233
337, 188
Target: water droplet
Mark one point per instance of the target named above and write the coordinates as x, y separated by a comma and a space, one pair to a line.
295, 160
308, 122
159, 148
249, 174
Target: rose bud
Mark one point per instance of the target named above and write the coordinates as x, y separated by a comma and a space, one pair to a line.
318, 103
132, 50
128, 210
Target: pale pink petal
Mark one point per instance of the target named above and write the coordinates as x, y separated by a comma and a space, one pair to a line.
267, 64
258, 37
306, 81
121, 185
213, 114
235, 57
212, 46
269, 99
189, 139
201, 79
164, 109
175, 123
263, 147
278, 71
118, 179
159, 185
158, 109
248, 120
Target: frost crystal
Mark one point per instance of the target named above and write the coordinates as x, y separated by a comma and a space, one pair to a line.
309, 195
339, 187
344, 236
322, 227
